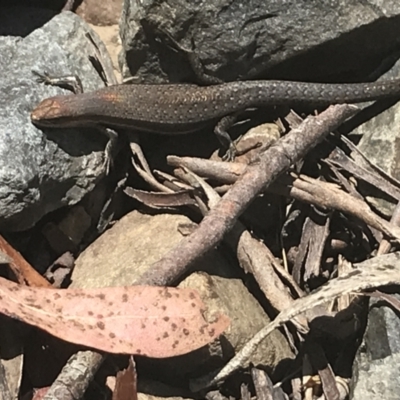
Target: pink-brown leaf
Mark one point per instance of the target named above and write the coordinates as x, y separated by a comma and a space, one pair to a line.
146, 320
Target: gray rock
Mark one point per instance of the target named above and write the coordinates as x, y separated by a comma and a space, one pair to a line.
41, 172
380, 144
8, 45
377, 364
246, 39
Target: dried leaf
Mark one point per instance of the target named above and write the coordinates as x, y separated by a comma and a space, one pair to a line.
146, 320
23, 271
161, 200
126, 383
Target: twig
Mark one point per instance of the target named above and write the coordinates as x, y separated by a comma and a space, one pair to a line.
256, 177
73, 379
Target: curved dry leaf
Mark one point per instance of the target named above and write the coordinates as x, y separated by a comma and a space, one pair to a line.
147, 320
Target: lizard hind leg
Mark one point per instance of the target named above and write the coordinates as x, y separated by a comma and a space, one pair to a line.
227, 144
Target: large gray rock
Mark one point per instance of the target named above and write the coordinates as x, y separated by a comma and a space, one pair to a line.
43, 171
245, 39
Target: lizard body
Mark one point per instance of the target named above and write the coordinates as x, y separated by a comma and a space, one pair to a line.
183, 108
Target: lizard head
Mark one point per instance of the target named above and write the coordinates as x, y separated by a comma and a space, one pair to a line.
54, 112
